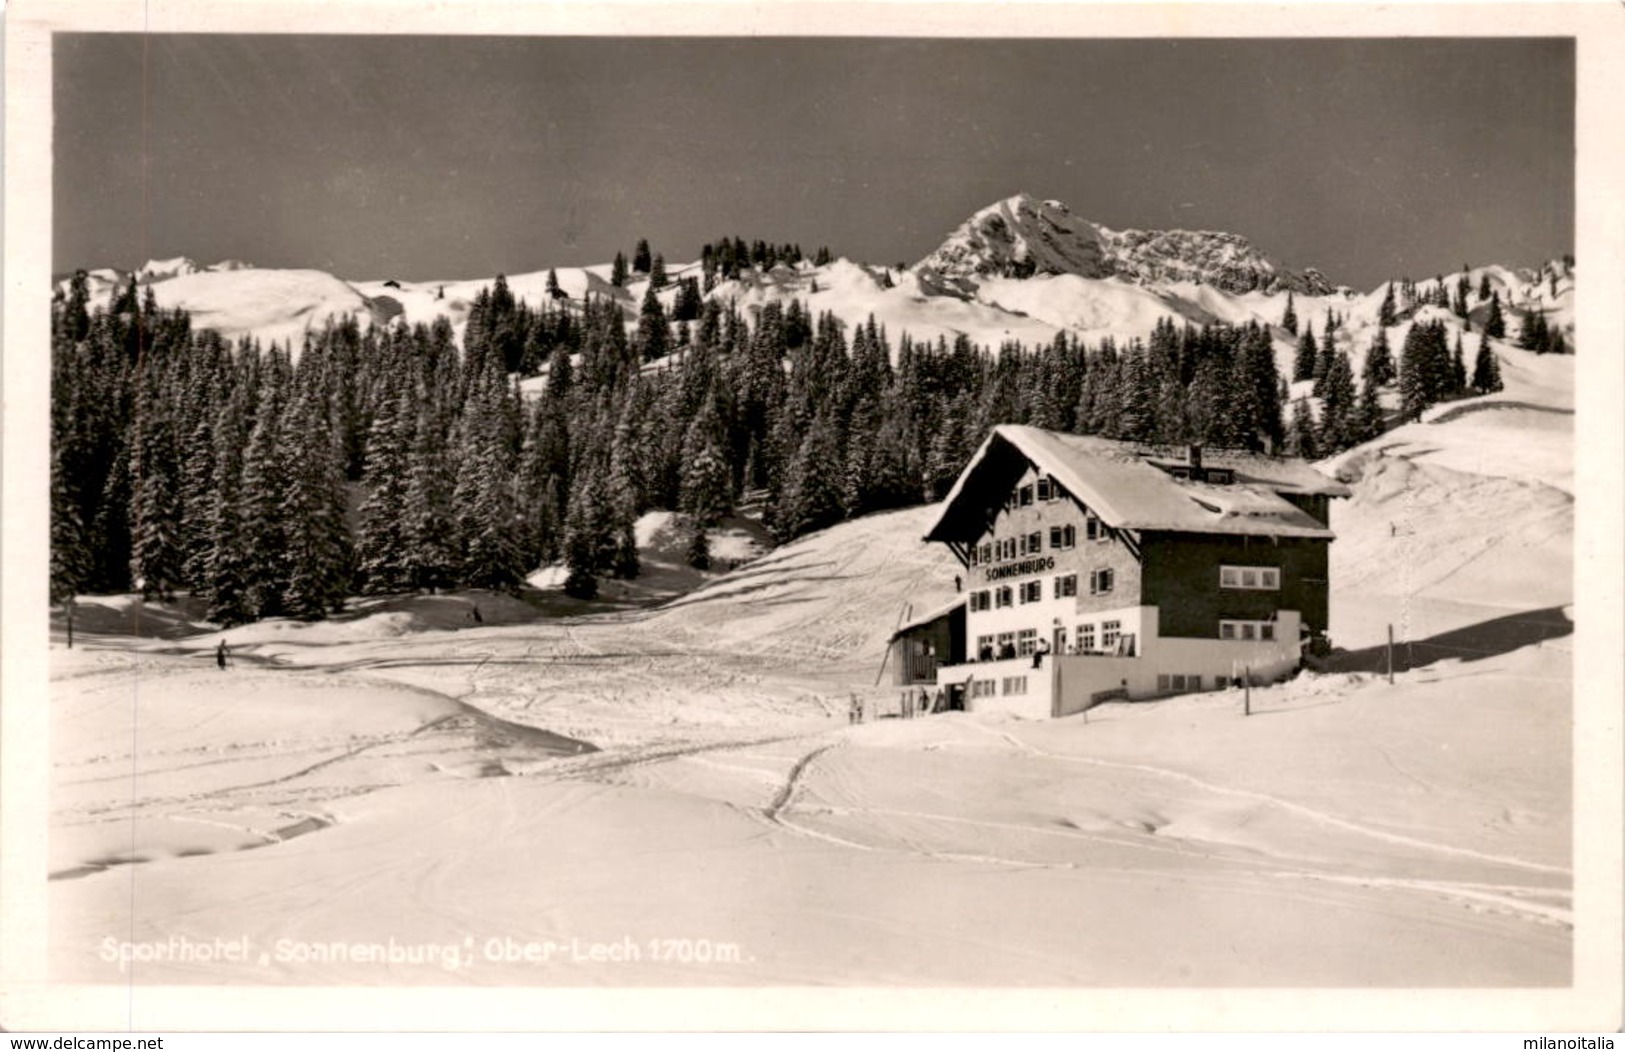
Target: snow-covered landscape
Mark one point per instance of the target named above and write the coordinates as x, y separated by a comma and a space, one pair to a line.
661, 786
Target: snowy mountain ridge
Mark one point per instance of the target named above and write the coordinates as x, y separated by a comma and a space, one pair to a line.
1019, 270
163, 269
1022, 237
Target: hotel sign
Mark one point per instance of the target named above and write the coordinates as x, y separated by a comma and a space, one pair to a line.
1021, 569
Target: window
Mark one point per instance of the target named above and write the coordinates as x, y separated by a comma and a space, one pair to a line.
984, 648
1086, 638
1009, 548
1032, 591
987, 552
1247, 630
1220, 476
980, 601
975, 555
1258, 578
1066, 585
1024, 496
1035, 542
1007, 644
1093, 528
1100, 581
1063, 537
1110, 631
1015, 684
983, 688
1026, 642
1043, 488
1004, 596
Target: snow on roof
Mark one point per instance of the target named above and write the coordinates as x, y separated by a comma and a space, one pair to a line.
921, 620
1121, 483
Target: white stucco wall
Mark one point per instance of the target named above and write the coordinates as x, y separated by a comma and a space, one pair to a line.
1267, 659
1035, 703
1215, 660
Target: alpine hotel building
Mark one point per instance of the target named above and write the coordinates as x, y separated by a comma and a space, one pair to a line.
1141, 572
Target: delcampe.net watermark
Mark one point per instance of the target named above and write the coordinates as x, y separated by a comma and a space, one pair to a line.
457, 955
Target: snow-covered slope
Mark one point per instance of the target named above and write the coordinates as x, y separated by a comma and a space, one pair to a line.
272, 305
425, 785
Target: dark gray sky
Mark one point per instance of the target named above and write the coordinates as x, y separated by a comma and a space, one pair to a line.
446, 157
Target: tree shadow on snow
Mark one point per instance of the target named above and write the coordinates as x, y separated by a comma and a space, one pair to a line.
1500, 635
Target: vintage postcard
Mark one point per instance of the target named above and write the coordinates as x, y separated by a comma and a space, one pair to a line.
874, 516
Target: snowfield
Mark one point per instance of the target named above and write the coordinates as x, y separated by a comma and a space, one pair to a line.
663, 789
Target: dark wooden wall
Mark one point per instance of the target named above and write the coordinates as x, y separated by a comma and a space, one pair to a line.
1181, 578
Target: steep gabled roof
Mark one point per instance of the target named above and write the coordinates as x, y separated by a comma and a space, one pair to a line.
1121, 483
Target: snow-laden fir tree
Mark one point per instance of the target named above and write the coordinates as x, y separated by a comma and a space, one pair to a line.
1368, 418
227, 568
1486, 368
1379, 368
483, 497
70, 554
583, 540
1338, 428
264, 528
705, 486
430, 555
1495, 323
1387, 314
1303, 363
317, 542
810, 498
1300, 438
653, 340
1424, 369
156, 554
1258, 395
380, 537
1323, 360
197, 501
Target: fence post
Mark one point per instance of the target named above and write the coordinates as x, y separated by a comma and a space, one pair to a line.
1246, 690
1390, 654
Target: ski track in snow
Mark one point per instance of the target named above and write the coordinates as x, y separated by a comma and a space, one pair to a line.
1295, 808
